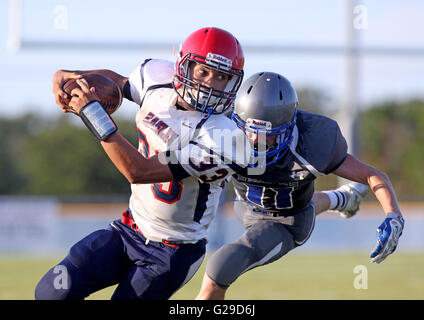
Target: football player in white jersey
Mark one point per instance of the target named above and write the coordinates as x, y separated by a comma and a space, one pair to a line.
176, 175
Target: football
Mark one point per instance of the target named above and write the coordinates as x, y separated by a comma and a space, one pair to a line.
106, 89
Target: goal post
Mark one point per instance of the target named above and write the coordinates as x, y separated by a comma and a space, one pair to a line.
14, 36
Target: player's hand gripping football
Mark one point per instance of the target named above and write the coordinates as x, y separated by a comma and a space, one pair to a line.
388, 234
82, 96
59, 79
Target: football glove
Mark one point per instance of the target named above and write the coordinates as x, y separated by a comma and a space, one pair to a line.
388, 234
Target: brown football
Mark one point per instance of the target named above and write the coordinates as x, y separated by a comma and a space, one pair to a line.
106, 89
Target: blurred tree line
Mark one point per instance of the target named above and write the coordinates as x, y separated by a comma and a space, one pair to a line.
57, 157
60, 156
391, 138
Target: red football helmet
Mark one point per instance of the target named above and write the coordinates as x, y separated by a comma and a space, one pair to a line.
217, 49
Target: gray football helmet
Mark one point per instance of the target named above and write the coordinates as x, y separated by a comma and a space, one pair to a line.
266, 105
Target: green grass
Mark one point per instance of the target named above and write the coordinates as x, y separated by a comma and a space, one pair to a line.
296, 276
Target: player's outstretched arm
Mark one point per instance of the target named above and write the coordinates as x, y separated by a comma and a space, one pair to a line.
356, 170
62, 76
390, 230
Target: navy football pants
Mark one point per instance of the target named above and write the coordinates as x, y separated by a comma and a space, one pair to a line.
119, 255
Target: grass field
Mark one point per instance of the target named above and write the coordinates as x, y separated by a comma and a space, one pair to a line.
297, 276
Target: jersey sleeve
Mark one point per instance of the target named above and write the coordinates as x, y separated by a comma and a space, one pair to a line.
211, 158
150, 72
321, 142
338, 150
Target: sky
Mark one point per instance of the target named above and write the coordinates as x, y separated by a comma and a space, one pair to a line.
25, 75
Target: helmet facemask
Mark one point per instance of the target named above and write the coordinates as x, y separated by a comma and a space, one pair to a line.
262, 154
203, 98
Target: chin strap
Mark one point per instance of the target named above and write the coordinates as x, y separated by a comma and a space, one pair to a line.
208, 110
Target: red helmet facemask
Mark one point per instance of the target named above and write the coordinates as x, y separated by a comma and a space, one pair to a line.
217, 49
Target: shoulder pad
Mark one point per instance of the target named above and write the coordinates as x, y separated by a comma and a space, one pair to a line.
320, 142
158, 71
147, 74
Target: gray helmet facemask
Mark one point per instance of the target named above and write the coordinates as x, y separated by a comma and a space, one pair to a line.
266, 105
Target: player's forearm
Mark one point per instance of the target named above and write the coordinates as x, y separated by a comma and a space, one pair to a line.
356, 170
130, 162
380, 184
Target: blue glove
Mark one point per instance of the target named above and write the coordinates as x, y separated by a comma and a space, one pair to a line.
388, 234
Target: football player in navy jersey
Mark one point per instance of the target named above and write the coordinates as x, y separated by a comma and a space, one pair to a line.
278, 207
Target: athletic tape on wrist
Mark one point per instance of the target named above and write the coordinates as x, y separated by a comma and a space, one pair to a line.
97, 120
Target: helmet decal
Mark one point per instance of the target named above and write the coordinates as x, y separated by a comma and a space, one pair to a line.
265, 125
220, 61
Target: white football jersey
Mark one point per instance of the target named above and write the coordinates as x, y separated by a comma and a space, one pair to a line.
206, 152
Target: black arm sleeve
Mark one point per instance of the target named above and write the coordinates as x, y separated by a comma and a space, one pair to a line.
127, 91
177, 170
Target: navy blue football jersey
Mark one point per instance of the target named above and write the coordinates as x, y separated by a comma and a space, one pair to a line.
317, 148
